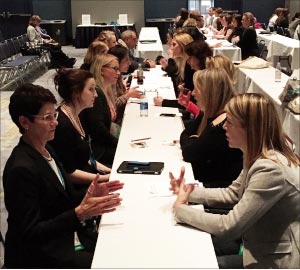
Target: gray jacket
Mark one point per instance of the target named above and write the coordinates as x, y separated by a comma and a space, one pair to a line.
266, 213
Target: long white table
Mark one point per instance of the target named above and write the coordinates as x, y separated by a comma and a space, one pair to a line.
149, 50
227, 49
279, 45
142, 232
263, 81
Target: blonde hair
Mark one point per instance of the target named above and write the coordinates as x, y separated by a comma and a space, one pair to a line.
106, 37
257, 114
216, 91
220, 61
190, 22
96, 69
95, 48
182, 40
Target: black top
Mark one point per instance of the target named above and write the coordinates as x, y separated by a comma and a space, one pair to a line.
214, 162
96, 122
248, 43
237, 32
41, 216
172, 70
71, 148
85, 66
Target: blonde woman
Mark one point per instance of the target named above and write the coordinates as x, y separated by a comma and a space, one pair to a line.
217, 61
265, 196
108, 37
177, 68
98, 121
203, 142
95, 48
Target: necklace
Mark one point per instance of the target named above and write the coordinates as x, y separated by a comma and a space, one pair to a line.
48, 156
74, 119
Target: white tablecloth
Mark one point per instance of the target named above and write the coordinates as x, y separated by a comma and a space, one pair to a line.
142, 232
149, 50
263, 81
227, 49
283, 46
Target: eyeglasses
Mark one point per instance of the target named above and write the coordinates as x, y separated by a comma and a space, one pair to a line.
116, 69
47, 117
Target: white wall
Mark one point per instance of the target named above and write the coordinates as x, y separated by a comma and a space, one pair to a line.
108, 11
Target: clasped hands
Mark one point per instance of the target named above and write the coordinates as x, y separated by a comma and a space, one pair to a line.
99, 199
179, 187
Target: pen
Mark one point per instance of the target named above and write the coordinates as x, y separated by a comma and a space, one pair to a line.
142, 139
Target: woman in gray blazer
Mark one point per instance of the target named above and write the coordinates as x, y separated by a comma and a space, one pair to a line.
265, 197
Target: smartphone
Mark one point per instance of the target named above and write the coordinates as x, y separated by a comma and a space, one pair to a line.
185, 91
168, 114
129, 80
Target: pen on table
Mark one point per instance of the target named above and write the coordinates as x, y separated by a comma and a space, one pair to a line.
142, 139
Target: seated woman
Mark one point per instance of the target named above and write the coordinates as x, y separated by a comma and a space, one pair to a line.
97, 121
197, 52
203, 142
122, 94
265, 196
72, 143
108, 37
248, 41
44, 211
238, 29
177, 68
227, 28
32, 31
57, 56
94, 49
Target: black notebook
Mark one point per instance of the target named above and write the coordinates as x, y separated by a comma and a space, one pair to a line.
136, 167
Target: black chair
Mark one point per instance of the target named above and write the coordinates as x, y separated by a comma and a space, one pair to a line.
264, 26
262, 49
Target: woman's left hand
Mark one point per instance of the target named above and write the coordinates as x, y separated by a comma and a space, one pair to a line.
99, 189
101, 167
183, 194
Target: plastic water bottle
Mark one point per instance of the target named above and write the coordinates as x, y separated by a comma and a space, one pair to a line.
140, 75
278, 72
144, 105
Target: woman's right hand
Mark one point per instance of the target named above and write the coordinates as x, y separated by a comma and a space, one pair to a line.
175, 183
95, 206
99, 199
134, 92
164, 62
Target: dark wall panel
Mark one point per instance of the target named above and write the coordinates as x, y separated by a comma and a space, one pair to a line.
55, 10
262, 10
163, 8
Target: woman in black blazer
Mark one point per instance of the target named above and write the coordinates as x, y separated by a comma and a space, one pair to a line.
44, 212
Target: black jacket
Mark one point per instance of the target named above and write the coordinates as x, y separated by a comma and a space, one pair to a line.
41, 215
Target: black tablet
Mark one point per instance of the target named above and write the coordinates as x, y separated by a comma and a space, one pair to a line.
138, 167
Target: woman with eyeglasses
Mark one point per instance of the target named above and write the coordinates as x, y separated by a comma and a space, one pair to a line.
72, 143
45, 213
99, 120
122, 91
265, 196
